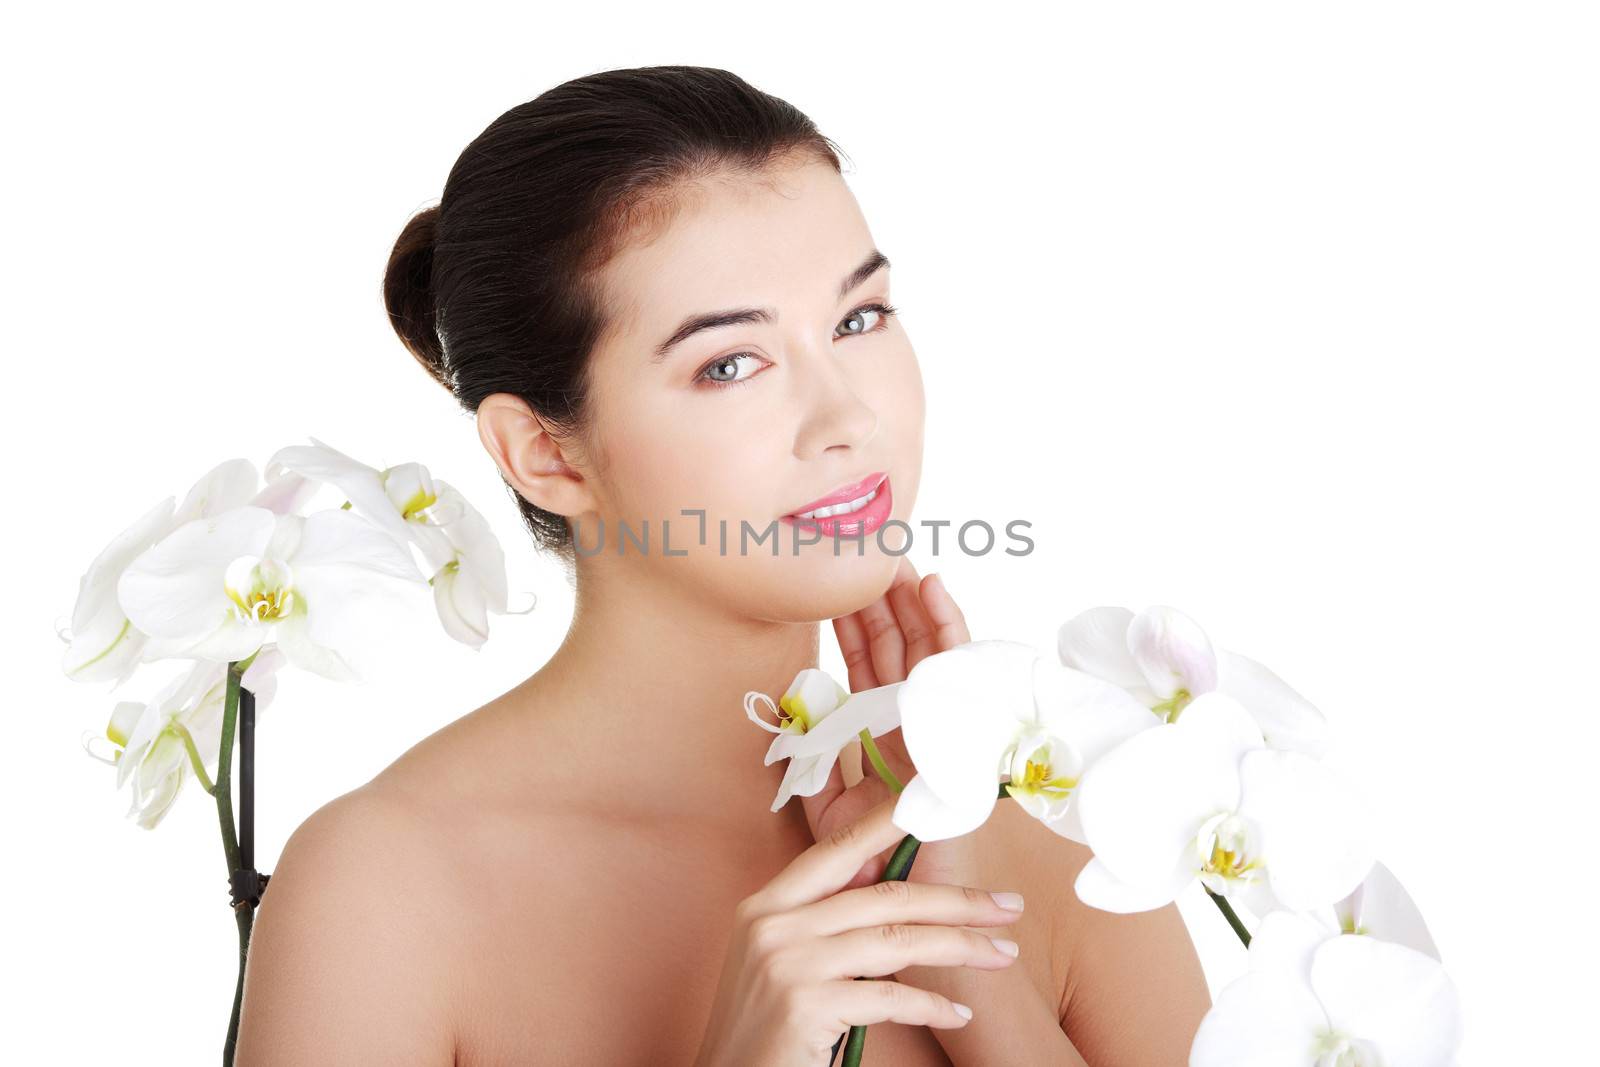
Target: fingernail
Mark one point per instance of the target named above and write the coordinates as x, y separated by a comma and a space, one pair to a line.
938, 579
1008, 947
1008, 901
962, 1010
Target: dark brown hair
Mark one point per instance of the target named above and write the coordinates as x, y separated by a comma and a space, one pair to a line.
493, 289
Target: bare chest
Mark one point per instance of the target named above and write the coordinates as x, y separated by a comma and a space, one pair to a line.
605, 948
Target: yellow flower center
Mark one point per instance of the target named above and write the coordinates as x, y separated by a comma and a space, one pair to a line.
260, 589
1225, 843
1037, 777
1228, 863
420, 501
792, 714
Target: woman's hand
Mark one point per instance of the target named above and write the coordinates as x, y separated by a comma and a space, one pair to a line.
881, 643
787, 989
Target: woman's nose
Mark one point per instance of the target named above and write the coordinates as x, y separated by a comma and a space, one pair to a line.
836, 416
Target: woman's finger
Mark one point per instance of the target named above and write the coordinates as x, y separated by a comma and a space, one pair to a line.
949, 624
829, 864
884, 637
853, 645
916, 626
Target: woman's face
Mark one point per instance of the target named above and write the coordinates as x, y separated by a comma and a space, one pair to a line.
811, 390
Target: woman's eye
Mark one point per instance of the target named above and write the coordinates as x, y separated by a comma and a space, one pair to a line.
723, 371
714, 371
859, 315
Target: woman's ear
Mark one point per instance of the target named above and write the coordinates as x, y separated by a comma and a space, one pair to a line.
531, 458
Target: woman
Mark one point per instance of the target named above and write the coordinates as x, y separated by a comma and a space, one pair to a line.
661, 301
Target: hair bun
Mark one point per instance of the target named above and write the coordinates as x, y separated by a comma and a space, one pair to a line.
408, 293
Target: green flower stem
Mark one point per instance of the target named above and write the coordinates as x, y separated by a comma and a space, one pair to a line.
196, 764
1229, 914
899, 867
878, 765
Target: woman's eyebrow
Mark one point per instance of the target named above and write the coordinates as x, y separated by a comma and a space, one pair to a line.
711, 320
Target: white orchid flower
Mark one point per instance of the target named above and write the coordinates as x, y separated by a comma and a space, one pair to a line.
466, 565
1315, 999
1205, 798
1166, 660
218, 588
104, 644
817, 719
986, 709
1380, 907
158, 744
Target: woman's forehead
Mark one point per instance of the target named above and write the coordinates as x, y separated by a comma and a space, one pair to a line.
729, 244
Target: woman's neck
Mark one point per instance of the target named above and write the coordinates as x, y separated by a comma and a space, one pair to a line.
647, 689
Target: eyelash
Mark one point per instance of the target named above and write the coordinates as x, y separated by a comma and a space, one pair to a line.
886, 310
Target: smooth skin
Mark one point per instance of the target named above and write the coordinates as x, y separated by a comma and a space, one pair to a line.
557, 876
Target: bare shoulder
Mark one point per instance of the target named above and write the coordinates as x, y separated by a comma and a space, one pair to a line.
356, 955
349, 956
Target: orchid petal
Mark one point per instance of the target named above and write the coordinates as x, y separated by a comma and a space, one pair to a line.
409, 488
166, 758
168, 700
1254, 896
104, 643
294, 638
1096, 642
233, 639
812, 696
1098, 887
876, 710
153, 806
1395, 997
1286, 718
175, 589
190, 690
920, 812
347, 571
286, 492
1094, 715
124, 717
261, 677
476, 546
961, 709
149, 722
434, 543
793, 777
228, 485
1381, 907
814, 773
1069, 825
1315, 837
1225, 726
362, 485
1172, 652
1143, 802
1284, 942
1260, 1020
459, 603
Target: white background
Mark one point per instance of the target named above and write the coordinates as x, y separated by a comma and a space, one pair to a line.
1285, 315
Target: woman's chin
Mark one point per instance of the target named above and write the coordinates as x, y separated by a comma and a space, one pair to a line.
818, 587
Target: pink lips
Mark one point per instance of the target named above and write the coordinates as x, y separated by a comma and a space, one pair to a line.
855, 523
845, 493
